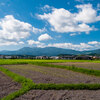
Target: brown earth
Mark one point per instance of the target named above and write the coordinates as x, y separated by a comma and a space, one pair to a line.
61, 95
88, 65
52, 75
7, 85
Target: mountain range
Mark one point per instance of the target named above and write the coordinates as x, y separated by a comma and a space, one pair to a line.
47, 51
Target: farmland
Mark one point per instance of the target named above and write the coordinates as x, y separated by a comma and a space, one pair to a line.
51, 79
51, 75
7, 85
87, 65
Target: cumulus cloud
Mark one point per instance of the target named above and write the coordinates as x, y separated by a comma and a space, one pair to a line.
31, 42
63, 21
87, 14
12, 31
36, 30
80, 47
36, 43
94, 42
47, 8
44, 37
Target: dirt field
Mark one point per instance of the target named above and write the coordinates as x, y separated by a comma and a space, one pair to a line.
7, 85
51, 75
88, 65
61, 95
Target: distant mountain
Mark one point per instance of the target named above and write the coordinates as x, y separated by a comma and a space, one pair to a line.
92, 52
48, 51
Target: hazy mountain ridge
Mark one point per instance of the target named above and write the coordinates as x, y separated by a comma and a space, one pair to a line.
48, 51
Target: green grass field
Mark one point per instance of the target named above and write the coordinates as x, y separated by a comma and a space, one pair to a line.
26, 61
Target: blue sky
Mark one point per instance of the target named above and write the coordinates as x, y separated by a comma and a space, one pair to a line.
69, 24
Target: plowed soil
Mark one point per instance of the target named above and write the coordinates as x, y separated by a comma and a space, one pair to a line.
88, 65
61, 95
7, 85
52, 75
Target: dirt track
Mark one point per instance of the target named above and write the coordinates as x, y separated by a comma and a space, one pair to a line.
51, 75
61, 95
7, 85
88, 65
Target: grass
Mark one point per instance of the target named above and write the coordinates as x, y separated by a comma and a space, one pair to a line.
26, 83
26, 61
45, 63
72, 68
66, 86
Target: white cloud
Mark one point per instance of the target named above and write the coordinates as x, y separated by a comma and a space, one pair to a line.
47, 8
21, 42
12, 31
44, 37
80, 1
31, 42
80, 47
63, 21
94, 42
87, 14
36, 43
6, 43
37, 30
72, 34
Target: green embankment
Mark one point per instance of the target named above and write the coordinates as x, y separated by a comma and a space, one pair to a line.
72, 68
26, 84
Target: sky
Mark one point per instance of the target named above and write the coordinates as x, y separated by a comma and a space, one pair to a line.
68, 24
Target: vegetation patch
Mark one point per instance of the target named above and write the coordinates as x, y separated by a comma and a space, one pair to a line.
72, 68
66, 86
27, 84
26, 61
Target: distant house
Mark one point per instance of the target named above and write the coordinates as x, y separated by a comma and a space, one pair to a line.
54, 57
1, 56
8, 57
96, 57
67, 57
84, 57
42, 57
